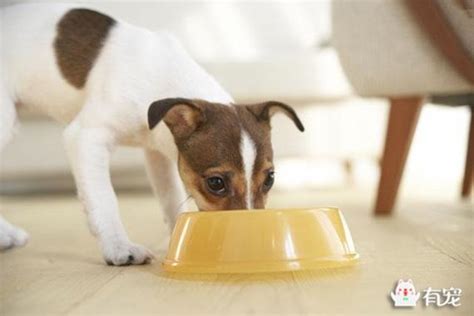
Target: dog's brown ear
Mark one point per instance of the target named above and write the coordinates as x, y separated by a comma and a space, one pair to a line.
264, 111
182, 116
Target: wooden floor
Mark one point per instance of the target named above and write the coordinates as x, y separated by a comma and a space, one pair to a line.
61, 271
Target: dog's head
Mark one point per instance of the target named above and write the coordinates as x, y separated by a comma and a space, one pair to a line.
225, 152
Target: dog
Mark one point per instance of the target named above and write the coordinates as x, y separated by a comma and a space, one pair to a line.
113, 84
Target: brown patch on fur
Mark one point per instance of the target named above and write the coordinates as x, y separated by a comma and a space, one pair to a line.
81, 33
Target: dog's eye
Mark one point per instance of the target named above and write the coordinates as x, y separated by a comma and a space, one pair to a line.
216, 185
267, 185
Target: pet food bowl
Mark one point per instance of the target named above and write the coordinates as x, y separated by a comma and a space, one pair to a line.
259, 241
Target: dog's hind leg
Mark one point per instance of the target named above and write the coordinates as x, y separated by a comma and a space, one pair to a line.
10, 235
166, 183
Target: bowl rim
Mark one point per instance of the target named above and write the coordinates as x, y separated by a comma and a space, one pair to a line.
261, 211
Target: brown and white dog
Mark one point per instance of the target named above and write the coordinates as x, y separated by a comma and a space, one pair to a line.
115, 84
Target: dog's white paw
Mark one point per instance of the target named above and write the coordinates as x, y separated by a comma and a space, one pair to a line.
12, 236
126, 253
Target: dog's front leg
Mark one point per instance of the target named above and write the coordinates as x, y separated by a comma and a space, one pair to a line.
167, 186
89, 151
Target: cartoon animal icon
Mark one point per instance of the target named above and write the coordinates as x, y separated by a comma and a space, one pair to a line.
405, 294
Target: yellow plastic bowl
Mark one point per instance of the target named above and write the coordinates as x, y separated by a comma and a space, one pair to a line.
259, 241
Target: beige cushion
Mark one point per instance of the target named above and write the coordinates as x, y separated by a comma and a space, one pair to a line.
384, 52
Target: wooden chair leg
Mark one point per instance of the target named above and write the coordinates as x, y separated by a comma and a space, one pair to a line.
403, 117
468, 169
